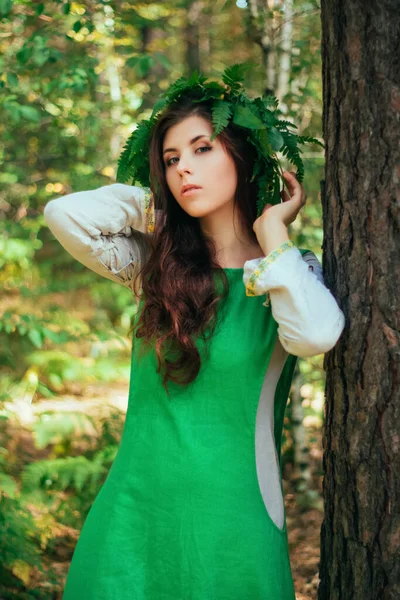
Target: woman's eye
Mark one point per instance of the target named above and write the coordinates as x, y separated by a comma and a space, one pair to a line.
168, 163
203, 148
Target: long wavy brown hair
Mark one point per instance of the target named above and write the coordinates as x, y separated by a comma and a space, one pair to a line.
180, 292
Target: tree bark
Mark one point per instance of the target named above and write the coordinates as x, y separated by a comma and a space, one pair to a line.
261, 29
192, 36
150, 36
360, 535
285, 56
109, 78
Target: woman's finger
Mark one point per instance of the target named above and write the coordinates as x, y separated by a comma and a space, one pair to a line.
291, 180
285, 196
294, 186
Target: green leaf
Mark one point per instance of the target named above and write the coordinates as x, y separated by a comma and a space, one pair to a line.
159, 105
277, 191
133, 159
163, 60
243, 117
30, 113
275, 139
234, 76
12, 79
5, 7
40, 56
132, 61
66, 8
8, 485
263, 140
283, 123
24, 55
142, 64
36, 338
53, 335
221, 113
270, 101
39, 8
304, 139
77, 26
193, 78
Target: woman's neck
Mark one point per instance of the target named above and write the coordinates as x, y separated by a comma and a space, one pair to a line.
237, 260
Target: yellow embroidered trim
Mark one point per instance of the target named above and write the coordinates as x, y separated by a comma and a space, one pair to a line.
263, 265
149, 210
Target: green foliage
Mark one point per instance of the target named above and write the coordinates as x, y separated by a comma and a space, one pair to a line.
136, 148
143, 63
20, 537
259, 117
34, 328
62, 490
244, 117
5, 7
221, 115
8, 485
70, 473
234, 76
55, 428
20, 544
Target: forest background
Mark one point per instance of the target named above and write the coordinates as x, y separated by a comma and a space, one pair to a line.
75, 79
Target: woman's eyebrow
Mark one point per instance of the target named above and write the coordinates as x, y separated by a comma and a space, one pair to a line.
191, 142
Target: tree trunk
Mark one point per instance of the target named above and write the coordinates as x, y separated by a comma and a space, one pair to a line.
285, 56
109, 78
261, 29
192, 36
150, 39
360, 536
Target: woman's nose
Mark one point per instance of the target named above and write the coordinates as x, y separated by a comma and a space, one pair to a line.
183, 166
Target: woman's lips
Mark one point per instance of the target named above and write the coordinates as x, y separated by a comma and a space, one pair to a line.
191, 191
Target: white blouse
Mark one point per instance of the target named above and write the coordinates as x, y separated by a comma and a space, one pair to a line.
108, 230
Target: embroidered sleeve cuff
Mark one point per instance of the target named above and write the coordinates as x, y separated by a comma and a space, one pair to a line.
309, 319
152, 215
255, 271
149, 212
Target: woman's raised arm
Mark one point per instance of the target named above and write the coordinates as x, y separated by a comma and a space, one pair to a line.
106, 229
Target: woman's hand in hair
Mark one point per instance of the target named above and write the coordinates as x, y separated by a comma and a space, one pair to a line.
288, 209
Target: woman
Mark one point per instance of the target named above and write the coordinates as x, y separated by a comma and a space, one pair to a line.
192, 508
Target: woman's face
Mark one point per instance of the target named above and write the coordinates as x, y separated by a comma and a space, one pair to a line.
201, 163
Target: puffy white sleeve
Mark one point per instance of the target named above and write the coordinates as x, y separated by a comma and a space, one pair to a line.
106, 229
309, 319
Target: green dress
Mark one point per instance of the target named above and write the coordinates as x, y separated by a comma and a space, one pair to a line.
180, 515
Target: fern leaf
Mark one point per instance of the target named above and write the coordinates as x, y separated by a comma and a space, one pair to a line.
303, 139
175, 89
282, 123
263, 192
292, 153
234, 76
221, 113
61, 473
270, 101
123, 161
159, 105
136, 147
